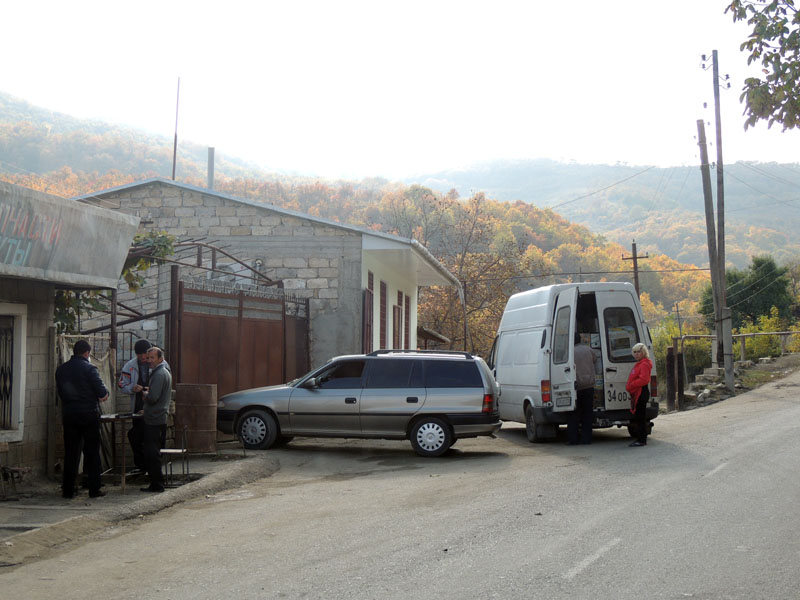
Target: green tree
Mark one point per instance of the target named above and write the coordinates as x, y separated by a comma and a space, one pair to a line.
774, 41
752, 293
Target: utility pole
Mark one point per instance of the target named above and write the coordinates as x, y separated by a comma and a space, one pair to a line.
635, 258
720, 182
722, 329
724, 333
678, 313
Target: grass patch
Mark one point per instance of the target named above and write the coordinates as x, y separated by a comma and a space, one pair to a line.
753, 378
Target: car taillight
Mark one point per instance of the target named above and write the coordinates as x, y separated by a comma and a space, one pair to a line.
488, 403
653, 385
545, 387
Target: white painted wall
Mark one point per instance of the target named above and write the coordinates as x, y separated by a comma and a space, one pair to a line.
395, 280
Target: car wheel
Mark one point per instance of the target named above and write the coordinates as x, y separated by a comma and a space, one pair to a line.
538, 433
257, 429
282, 440
431, 437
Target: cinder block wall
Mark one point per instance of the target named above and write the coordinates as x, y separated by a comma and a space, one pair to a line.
39, 385
314, 260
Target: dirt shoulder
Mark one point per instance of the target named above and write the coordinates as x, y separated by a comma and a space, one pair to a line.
761, 373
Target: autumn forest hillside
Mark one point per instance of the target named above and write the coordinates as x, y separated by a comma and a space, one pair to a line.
663, 209
496, 242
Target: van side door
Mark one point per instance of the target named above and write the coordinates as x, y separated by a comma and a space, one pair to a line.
562, 356
620, 329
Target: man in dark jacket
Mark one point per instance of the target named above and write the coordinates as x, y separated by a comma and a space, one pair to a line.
156, 408
81, 390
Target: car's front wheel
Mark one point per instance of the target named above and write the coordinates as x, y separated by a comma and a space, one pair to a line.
257, 429
431, 436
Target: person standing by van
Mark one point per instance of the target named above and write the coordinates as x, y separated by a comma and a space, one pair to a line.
637, 387
579, 421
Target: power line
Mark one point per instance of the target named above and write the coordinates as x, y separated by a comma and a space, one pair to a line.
767, 174
513, 277
608, 187
777, 200
756, 293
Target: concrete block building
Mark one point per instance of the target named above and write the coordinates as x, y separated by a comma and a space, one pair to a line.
46, 242
361, 284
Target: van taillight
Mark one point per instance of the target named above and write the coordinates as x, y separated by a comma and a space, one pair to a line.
653, 385
545, 387
488, 403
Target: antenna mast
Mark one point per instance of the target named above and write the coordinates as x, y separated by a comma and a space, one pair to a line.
175, 145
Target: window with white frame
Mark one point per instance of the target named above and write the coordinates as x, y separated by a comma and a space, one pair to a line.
13, 331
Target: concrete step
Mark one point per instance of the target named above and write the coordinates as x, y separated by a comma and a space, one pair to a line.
714, 371
690, 395
707, 379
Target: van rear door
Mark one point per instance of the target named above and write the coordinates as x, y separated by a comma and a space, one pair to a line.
620, 329
562, 356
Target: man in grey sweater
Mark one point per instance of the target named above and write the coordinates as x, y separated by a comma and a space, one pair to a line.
156, 408
579, 421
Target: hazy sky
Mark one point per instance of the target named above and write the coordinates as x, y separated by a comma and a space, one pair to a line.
377, 88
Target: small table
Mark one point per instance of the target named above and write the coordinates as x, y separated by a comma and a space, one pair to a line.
113, 419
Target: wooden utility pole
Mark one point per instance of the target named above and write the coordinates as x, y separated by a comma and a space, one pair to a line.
710, 227
635, 258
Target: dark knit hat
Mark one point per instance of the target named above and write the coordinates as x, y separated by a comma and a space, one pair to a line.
141, 346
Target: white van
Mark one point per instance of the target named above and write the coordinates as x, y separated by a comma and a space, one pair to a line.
533, 354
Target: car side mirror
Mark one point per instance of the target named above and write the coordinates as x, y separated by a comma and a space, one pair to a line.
311, 383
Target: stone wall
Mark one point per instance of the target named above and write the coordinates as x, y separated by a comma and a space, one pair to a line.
39, 388
315, 260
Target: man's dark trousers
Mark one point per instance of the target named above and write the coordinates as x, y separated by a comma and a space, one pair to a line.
579, 421
81, 427
155, 438
136, 438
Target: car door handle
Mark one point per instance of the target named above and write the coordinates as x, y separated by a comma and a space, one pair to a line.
567, 369
611, 370
412, 399
349, 400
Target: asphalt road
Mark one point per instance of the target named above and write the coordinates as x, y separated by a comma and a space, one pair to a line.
709, 510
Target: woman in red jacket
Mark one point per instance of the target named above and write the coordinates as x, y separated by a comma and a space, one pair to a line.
637, 387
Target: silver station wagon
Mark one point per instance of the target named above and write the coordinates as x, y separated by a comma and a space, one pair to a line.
431, 398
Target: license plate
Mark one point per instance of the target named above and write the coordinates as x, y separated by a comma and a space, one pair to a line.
563, 399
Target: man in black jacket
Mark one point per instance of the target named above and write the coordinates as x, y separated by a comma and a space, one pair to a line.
81, 390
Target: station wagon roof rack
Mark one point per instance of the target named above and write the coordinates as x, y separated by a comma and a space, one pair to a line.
408, 351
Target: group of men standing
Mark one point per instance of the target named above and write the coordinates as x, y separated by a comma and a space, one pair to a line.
148, 380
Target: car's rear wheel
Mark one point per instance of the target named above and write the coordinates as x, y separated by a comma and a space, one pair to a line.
257, 429
431, 436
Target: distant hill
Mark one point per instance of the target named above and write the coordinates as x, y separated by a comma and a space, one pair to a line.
37, 140
662, 209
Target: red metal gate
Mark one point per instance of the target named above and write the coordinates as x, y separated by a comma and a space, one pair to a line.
240, 339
